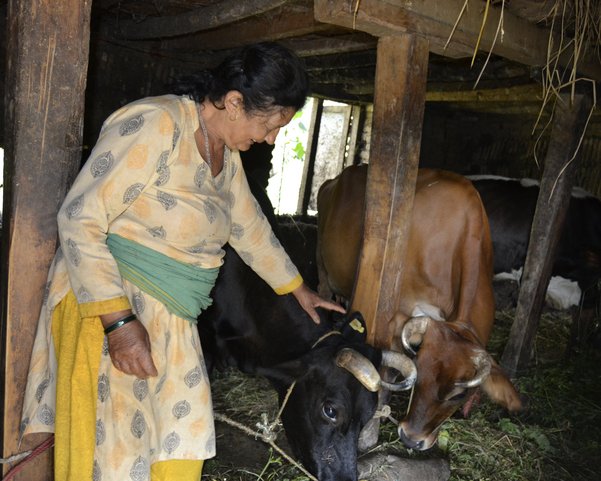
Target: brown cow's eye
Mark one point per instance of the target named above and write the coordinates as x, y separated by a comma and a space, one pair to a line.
329, 411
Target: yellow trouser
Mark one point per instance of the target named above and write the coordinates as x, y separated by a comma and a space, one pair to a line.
176, 470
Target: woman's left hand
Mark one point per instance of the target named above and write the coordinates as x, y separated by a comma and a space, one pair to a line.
309, 300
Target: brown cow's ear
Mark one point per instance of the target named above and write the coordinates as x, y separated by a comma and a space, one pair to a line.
501, 390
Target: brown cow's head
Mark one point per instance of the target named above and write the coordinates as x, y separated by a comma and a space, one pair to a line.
451, 365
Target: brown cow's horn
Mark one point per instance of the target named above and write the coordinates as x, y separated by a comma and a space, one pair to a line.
483, 365
360, 367
413, 330
404, 365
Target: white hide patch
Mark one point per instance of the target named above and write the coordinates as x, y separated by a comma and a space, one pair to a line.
487, 177
561, 294
580, 193
525, 182
427, 310
509, 276
577, 192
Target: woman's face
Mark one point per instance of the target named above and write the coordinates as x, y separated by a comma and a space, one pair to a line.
258, 127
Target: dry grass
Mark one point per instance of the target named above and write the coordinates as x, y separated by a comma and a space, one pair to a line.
556, 439
574, 39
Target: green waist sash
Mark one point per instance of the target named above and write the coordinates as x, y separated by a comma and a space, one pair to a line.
183, 288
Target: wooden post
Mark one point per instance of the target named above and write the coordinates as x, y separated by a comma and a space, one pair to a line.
307, 181
399, 100
551, 208
358, 114
47, 61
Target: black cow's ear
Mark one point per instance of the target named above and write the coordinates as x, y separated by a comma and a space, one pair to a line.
354, 328
283, 375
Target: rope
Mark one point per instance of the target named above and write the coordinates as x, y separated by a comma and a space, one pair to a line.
25, 458
266, 438
326, 335
385, 412
14, 458
288, 393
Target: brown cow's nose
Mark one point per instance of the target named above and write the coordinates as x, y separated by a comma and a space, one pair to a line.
409, 443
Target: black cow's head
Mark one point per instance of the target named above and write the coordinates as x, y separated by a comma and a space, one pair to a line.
333, 395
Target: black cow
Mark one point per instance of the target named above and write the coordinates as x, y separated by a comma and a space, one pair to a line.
252, 328
510, 205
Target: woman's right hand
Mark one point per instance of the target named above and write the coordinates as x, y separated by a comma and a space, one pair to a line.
129, 348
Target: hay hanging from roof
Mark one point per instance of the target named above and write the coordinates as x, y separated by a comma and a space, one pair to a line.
575, 32
574, 38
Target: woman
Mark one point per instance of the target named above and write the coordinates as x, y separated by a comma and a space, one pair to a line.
117, 369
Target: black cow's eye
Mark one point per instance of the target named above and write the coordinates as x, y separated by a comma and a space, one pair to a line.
329, 411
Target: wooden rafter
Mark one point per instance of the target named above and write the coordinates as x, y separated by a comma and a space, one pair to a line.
211, 16
521, 41
277, 24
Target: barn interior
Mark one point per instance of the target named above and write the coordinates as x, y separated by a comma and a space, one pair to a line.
474, 86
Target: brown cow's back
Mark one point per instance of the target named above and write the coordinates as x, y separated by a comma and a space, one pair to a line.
340, 229
449, 251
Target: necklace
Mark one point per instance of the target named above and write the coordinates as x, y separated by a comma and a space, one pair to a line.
206, 138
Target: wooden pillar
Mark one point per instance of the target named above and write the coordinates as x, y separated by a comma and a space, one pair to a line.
399, 100
551, 208
356, 131
307, 181
47, 61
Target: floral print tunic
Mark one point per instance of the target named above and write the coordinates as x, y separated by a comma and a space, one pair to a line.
146, 181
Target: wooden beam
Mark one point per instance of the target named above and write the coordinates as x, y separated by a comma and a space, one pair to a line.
344, 60
47, 52
343, 93
278, 24
551, 208
351, 76
205, 18
311, 156
399, 101
357, 123
521, 41
520, 93
332, 45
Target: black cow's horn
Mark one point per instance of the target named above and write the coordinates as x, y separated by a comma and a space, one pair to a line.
404, 365
360, 367
413, 330
483, 365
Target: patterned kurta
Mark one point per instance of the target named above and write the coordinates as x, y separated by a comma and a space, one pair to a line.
146, 181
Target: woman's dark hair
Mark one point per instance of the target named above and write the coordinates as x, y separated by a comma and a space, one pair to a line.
267, 74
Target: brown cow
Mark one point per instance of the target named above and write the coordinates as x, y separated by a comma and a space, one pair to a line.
447, 306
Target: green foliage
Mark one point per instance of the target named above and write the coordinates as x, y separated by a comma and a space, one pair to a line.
298, 149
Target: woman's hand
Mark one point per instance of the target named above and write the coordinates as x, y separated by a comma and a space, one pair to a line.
129, 347
309, 300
